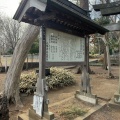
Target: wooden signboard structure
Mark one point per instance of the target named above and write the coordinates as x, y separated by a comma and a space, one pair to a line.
112, 8
64, 37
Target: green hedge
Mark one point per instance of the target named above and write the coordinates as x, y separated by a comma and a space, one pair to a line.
58, 78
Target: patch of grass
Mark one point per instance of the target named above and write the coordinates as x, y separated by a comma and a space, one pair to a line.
72, 113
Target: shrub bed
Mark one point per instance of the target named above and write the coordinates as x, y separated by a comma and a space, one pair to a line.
58, 78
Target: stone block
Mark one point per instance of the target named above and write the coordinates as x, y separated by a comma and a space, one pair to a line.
86, 97
49, 115
23, 117
117, 98
34, 116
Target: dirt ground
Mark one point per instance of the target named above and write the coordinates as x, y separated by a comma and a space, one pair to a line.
63, 99
106, 113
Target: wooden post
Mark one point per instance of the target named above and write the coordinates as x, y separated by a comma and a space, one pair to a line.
85, 90
119, 66
84, 4
27, 62
87, 52
41, 83
117, 95
40, 101
85, 75
105, 59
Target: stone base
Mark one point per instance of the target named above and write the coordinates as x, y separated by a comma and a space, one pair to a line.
33, 116
91, 112
23, 117
86, 97
117, 98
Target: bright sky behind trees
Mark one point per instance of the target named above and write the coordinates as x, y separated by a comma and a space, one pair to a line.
8, 7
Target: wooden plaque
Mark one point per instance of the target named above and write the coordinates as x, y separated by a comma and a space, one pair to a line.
63, 47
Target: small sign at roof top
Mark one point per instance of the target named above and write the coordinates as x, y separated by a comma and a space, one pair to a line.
63, 47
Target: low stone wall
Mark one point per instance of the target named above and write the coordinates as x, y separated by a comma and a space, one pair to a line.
26, 66
2, 69
30, 65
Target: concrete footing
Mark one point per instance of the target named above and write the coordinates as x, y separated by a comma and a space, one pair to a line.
46, 115
86, 97
23, 117
91, 111
117, 98
33, 116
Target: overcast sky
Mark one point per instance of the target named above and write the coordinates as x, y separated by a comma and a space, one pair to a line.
8, 7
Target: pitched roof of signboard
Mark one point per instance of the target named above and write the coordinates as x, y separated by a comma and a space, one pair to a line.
60, 14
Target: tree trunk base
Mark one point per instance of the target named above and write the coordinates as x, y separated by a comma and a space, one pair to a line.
111, 76
77, 70
90, 71
4, 111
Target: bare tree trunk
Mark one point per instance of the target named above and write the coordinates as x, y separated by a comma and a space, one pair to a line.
108, 57
105, 59
84, 4
0, 60
11, 88
27, 62
119, 63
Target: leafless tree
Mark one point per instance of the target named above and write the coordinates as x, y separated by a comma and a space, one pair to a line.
11, 88
11, 32
11, 36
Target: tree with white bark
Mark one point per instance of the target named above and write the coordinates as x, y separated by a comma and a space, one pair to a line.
11, 88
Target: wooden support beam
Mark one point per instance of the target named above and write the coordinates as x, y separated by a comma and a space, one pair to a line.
37, 12
113, 27
55, 25
45, 17
110, 11
73, 23
112, 8
108, 5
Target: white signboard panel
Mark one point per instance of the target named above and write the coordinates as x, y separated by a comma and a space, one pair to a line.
63, 47
38, 104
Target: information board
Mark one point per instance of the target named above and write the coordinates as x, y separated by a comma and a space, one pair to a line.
38, 104
63, 47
